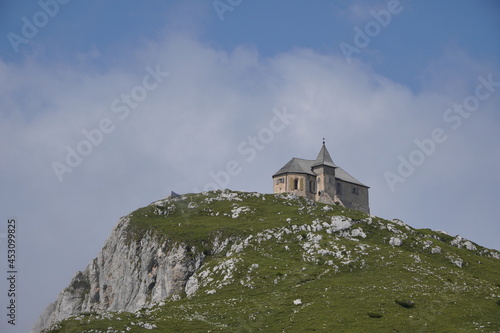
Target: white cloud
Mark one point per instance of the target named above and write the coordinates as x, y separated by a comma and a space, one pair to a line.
193, 123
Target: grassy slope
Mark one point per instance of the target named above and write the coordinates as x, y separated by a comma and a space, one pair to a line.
352, 288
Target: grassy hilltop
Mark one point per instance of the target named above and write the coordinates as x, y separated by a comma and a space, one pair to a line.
286, 264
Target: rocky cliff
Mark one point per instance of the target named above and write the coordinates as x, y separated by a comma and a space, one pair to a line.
233, 261
126, 276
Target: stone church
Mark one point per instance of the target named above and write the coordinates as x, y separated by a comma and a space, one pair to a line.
322, 181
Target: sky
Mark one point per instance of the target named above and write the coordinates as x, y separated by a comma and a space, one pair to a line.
107, 106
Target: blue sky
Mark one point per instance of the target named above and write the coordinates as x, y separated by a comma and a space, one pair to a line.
171, 94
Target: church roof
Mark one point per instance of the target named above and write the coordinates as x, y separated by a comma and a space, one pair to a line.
299, 165
343, 175
324, 158
296, 165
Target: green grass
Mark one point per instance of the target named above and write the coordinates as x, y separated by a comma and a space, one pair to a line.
198, 226
380, 288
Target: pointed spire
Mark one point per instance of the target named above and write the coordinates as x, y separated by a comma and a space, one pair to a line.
324, 157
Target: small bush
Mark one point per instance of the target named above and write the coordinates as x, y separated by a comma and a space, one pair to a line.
405, 303
498, 301
80, 282
374, 315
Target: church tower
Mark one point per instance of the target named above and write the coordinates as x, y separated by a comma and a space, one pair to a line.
324, 168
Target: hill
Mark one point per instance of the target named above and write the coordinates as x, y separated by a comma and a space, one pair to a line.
229, 261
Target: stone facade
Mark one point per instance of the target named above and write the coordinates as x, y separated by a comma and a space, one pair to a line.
296, 183
322, 181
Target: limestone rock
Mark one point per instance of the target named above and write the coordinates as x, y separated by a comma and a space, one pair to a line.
125, 276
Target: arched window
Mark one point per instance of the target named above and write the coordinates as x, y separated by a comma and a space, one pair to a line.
339, 188
311, 186
295, 184
319, 179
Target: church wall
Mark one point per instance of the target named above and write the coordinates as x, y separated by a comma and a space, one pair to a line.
353, 196
296, 183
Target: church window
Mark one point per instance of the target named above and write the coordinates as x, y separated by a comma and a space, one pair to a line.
319, 179
339, 188
311, 186
295, 184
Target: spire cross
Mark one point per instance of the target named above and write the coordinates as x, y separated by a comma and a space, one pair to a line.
323, 141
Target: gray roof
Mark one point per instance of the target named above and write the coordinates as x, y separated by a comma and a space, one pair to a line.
299, 165
343, 175
324, 158
296, 165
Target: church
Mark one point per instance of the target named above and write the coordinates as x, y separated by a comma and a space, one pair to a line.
322, 181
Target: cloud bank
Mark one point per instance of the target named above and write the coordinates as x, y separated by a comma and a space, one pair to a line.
161, 132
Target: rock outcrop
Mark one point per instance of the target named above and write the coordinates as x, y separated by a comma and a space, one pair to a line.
126, 276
